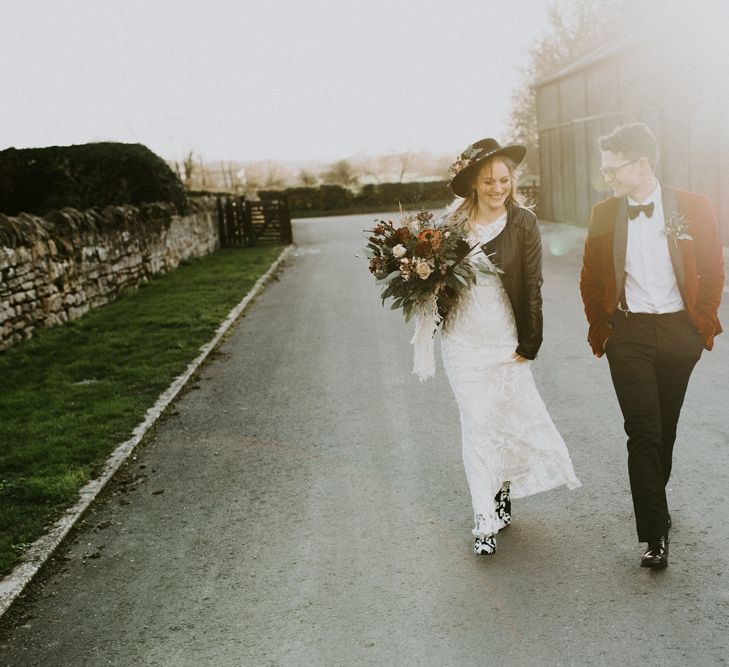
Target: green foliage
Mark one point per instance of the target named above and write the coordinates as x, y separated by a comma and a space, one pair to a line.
375, 197
71, 394
322, 198
411, 195
421, 267
38, 180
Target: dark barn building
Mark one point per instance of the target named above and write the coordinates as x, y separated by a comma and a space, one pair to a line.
669, 81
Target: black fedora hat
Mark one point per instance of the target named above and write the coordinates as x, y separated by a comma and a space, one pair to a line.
464, 169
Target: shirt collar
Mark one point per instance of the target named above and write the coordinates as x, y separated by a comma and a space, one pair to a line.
654, 197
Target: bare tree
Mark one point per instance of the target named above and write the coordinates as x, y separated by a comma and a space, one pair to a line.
308, 178
340, 173
575, 29
373, 167
229, 176
265, 175
404, 161
188, 166
203, 179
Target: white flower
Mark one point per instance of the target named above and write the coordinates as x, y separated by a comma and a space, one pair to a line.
676, 228
399, 250
423, 269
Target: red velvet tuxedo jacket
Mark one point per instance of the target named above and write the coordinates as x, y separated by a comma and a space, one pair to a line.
698, 264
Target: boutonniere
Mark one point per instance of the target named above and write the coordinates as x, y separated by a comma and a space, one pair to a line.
676, 228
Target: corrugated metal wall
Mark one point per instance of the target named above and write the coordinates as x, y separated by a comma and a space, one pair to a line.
687, 107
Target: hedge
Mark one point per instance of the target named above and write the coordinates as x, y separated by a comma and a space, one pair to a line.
39, 180
381, 196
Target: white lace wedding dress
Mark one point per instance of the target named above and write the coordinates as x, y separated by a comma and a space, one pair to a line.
507, 433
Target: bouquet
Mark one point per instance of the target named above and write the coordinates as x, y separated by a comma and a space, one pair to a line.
426, 270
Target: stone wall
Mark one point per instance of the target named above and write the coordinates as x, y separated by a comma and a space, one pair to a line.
57, 267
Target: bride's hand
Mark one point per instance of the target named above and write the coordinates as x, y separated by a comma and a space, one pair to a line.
518, 357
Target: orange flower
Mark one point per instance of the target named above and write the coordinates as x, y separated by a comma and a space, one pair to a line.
431, 236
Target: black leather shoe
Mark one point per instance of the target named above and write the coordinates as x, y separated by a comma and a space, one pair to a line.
657, 555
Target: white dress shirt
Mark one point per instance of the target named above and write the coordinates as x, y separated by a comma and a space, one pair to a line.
650, 283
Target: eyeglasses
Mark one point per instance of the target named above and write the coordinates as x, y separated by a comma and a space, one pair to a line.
611, 172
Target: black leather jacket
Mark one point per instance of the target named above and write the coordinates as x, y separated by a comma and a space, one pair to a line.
517, 250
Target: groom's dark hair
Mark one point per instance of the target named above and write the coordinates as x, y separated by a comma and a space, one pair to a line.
634, 141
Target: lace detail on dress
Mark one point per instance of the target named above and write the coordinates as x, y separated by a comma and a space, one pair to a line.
507, 433
503, 504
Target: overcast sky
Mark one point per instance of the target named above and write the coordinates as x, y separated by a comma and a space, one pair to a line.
259, 79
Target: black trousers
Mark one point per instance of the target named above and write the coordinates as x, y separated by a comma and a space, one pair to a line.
651, 358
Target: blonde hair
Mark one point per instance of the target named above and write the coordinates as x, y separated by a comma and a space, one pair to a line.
466, 208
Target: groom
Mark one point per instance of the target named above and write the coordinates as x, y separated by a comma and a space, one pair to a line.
651, 283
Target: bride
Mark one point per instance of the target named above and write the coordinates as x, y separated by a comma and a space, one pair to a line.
511, 448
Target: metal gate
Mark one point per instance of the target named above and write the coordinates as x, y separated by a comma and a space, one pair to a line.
243, 222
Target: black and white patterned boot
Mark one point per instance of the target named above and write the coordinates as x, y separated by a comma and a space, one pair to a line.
503, 503
485, 546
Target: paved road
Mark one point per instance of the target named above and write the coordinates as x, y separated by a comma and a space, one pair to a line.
305, 504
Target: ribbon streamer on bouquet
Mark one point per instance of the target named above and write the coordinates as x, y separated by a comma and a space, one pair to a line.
426, 322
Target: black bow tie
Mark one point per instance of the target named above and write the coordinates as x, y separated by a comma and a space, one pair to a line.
634, 211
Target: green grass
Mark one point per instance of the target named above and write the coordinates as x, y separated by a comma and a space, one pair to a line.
70, 395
